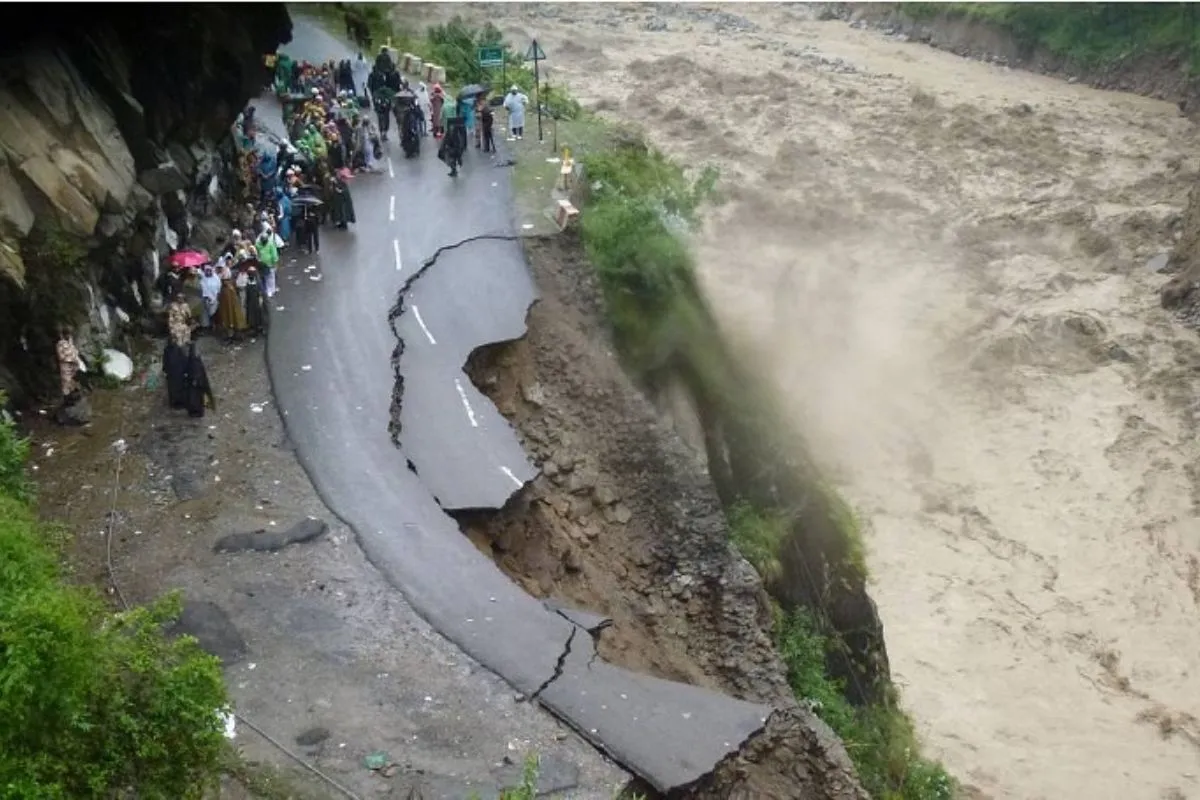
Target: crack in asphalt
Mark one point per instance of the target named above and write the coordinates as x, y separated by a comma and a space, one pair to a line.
397, 310
558, 667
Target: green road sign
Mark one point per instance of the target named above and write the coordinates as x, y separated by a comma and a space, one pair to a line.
535, 53
491, 56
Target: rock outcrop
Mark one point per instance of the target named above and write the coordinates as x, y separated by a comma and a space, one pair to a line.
113, 131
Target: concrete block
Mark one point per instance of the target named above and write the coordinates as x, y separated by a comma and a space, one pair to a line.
565, 215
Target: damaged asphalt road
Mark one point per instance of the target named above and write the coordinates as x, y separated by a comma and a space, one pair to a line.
330, 356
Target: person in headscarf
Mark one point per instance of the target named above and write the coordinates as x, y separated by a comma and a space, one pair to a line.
256, 313
210, 289
467, 112
179, 320
68, 362
198, 390
308, 227
383, 61
514, 103
174, 366
268, 256
231, 319
436, 102
423, 106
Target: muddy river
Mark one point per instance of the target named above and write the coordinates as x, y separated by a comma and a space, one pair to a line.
943, 262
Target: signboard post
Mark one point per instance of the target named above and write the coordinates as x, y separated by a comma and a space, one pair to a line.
493, 56
536, 55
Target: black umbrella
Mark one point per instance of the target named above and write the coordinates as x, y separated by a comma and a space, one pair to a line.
307, 200
471, 90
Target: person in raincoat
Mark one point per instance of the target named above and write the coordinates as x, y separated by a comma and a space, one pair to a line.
424, 105
210, 290
362, 72
268, 255
514, 103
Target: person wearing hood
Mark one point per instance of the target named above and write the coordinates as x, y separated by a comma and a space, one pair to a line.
362, 71
383, 61
268, 256
423, 106
256, 312
436, 102
174, 365
514, 103
198, 391
179, 320
210, 290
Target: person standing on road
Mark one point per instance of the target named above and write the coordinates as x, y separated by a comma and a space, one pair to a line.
437, 103
514, 103
424, 107
467, 112
486, 122
362, 71
68, 362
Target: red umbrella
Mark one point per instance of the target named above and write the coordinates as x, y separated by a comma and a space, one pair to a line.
188, 259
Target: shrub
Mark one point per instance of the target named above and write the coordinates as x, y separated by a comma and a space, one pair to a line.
14, 450
758, 536
879, 738
93, 705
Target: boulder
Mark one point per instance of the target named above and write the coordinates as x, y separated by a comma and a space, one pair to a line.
165, 178
117, 365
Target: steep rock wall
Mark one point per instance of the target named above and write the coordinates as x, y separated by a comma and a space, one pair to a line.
111, 153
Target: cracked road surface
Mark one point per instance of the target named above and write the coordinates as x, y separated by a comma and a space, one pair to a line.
331, 364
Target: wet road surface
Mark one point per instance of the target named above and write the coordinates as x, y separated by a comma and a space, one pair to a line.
330, 357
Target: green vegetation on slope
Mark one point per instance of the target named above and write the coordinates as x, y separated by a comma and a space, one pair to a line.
92, 704
879, 738
1089, 34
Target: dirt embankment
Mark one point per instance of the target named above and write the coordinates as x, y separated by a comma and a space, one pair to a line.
625, 522
1163, 77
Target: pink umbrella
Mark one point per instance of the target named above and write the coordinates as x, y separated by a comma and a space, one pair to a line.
345, 175
188, 259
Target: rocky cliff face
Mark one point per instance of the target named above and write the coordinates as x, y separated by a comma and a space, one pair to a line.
111, 153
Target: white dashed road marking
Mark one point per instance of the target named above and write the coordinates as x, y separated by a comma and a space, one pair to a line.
392, 209
391, 172
509, 473
428, 335
396, 250
462, 393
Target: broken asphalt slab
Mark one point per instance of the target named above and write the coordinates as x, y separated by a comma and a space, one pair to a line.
330, 358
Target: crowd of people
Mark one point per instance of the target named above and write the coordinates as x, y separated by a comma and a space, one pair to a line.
291, 186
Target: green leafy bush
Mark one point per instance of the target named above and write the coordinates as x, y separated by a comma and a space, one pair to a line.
758, 535
879, 738
92, 705
14, 450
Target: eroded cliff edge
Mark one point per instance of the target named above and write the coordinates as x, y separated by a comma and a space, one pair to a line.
114, 134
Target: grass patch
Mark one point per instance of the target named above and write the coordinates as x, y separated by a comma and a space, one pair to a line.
879, 739
1089, 34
